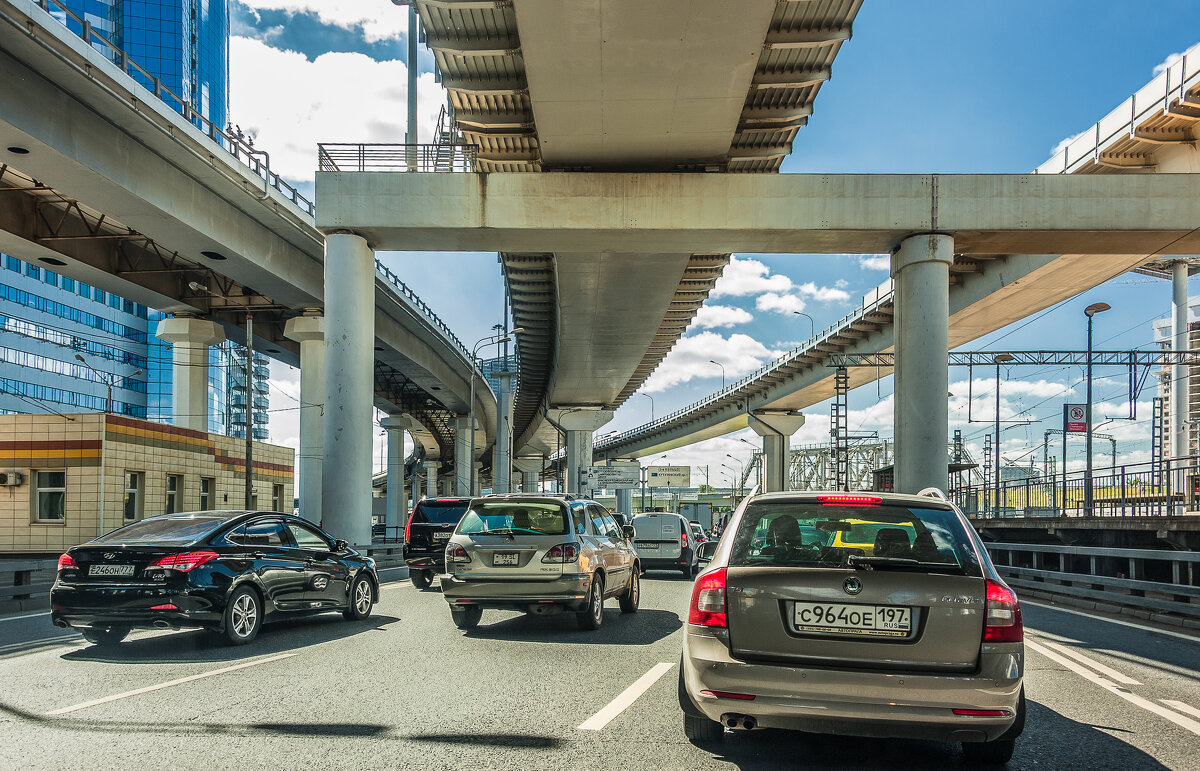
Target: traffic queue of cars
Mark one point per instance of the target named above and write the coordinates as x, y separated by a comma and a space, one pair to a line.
854, 614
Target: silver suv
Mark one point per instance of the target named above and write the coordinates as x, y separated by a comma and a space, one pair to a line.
856, 614
539, 554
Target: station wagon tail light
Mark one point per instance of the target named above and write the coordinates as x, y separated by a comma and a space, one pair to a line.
189, 560
563, 552
708, 601
849, 500
1003, 615
66, 561
456, 553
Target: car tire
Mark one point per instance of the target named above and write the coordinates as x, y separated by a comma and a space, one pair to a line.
106, 637
633, 594
361, 599
466, 616
422, 578
701, 730
989, 753
243, 616
591, 617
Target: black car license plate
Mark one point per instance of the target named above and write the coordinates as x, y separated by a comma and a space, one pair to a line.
441, 535
505, 559
110, 570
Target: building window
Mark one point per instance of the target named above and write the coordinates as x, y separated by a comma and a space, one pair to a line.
51, 496
12, 263
174, 490
276, 497
133, 495
84, 290
32, 271
98, 295
68, 284
50, 277
206, 490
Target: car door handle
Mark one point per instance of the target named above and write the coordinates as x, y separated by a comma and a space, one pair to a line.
258, 555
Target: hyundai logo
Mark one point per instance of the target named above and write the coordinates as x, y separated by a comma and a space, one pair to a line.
111, 555
852, 585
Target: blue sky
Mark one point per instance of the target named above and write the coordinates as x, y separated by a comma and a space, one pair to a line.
924, 86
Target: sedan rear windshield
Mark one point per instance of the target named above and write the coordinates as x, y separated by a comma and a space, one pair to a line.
437, 512
185, 529
891, 537
512, 518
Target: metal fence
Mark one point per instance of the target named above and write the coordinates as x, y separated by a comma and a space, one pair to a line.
445, 157
1137, 490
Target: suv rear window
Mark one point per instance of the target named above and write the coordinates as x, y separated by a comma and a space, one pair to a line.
811, 534
512, 517
439, 512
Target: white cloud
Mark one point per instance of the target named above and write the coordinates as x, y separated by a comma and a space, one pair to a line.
875, 262
1167, 63
779, 303
379, 20
692, 357
1063, 144
823, 293
743, 276
289, 103
711, 316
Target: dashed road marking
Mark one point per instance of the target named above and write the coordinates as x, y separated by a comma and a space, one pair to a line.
29, 615
1061, 609
1090, 662
1186, 709
618, 705
160, 686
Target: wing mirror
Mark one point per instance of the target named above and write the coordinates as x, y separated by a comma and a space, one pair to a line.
340, 546
628, 532
705, 552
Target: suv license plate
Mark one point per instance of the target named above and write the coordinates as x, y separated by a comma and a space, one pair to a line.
867, 620
441, 536
505, 559
110, 570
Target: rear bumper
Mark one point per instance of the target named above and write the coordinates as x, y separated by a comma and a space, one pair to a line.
854, 703
422, 559
652, 562
133, 607
570, 590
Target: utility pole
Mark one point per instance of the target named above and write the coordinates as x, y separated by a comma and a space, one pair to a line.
249, 412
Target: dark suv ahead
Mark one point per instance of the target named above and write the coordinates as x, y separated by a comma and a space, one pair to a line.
429, 527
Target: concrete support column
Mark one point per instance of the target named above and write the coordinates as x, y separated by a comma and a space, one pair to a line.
502, 452
416, 488
447, 486
309, 331
625, 501
478, 479
921, 274
349, 387
431, 469
1179, 372
579, 423
531, 469
190, 338
463, 455
776, 429
397, 503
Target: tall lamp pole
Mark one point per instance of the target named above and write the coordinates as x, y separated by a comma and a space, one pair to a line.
722, 366
1089, 311
499, 337
812, 325
999, 359
106, 378
651, 398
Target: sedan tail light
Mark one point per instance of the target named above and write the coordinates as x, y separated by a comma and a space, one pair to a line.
708, 601
563, 552
185, 561
1003, 615
66, 561
456, 553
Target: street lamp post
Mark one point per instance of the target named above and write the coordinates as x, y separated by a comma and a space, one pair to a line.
741, 472
999, 359
106, 378
1089, 311
499, 337
758, 476
812, 326
651, 398
722, 366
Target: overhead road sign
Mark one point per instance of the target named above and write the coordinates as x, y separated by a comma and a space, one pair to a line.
622, 477
668, 476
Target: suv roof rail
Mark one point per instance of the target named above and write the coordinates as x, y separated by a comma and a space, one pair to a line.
933, 492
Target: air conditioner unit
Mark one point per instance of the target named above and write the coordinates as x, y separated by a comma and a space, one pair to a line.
11, 478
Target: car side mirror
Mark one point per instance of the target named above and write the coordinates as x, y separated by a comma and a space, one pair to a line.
340, 546
705, 552
629, 532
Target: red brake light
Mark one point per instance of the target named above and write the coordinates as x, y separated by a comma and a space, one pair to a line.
1003, 622
168, 606
456, 553
983, 712
683, 539
66, 561
563, 552
849, 500
708, 601
728, 695
408, 527
184, 562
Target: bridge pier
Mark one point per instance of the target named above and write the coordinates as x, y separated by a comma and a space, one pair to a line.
397, 505
530, 468
349, 387
1180, 389
502, 452
464, 455
309, 331
190, 339
776, 429
431, 469
921, 272
579, 423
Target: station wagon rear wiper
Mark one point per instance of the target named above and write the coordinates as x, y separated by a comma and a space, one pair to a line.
863, 562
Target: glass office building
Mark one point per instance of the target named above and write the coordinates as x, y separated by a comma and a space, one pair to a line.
49, 322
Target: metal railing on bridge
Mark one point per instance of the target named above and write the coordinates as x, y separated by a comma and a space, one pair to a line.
233, 142
446, 157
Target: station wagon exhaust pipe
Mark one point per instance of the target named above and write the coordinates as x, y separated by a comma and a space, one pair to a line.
733, 720
61, 623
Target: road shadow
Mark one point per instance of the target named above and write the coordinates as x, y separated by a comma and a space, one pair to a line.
667, 576
199, 645
641, 628
1050, 740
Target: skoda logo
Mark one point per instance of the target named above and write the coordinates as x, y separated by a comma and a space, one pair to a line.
111, 555
852, 585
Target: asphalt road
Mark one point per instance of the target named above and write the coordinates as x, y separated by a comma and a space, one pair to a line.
406, 689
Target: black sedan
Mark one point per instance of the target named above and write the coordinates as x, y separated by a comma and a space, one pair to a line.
228, 571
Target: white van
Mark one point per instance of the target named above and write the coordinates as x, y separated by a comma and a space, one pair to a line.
664, 541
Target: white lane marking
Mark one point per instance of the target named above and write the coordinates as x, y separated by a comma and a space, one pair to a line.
1061, 609
31, 615
1113, 688
627, 698
69, 639
1090, 662
160, 686
1186, 709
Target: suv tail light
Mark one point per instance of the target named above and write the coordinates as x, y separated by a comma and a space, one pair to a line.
563, 552
1003, 615
184, 562
708, 601
849, 500
408, 527
683, 539
66, 561
456, 553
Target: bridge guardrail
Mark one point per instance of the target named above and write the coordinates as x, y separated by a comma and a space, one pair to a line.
444, 156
